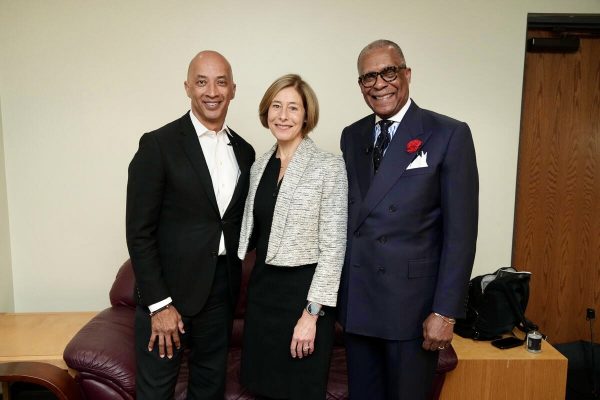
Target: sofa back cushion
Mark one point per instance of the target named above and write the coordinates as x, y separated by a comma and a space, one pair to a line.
122, 290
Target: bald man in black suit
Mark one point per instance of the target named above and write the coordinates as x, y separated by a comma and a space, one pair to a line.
187, 187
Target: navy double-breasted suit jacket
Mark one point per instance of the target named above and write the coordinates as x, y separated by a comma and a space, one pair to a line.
411, 232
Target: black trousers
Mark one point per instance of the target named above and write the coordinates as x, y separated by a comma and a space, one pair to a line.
206, 336
380, 369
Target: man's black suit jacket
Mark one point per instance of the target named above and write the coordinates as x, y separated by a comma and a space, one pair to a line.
173, 223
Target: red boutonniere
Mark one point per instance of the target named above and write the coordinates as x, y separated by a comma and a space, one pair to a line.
413, 146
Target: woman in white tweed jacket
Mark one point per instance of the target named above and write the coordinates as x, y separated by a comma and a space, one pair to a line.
295, 217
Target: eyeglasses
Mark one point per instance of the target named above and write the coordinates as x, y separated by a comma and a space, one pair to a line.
388, 74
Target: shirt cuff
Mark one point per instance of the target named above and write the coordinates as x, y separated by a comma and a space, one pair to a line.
156, 306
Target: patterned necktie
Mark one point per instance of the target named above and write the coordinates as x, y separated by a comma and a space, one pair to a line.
382, 142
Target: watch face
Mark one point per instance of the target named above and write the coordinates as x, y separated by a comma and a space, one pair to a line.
312, 309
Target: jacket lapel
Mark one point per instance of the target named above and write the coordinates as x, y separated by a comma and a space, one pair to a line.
243, 165
395, 161
191, 147
256, 173
363, 156
259, 169
300, 160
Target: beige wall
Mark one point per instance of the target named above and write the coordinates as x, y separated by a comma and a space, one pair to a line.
6, 279
81, 81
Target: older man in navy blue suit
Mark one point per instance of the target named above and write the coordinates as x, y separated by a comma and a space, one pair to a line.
412, 231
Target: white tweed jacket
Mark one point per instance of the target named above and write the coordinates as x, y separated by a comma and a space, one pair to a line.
309, 221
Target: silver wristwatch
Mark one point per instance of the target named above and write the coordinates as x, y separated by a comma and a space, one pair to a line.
315, 309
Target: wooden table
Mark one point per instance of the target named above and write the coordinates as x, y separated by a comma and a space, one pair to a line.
39, 337
487, 373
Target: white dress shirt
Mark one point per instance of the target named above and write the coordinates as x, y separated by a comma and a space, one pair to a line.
222, 165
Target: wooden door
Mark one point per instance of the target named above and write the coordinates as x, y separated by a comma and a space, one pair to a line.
557, 210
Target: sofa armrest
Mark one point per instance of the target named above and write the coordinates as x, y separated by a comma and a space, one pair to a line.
56, 380
105, 348
447, 360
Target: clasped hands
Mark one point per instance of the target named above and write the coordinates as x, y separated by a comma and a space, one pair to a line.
166, 327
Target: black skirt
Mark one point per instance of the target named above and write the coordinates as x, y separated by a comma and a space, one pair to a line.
276, 299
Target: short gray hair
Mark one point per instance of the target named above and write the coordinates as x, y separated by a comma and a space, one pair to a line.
379, 44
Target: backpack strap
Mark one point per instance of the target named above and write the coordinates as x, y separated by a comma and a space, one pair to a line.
524, 325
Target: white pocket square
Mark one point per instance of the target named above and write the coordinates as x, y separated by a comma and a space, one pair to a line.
419, 162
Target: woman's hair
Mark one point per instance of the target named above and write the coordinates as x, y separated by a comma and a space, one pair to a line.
309, 100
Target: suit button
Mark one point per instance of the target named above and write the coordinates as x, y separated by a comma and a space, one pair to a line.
381, 270
382, 239
214, 253
392, 208
357, 234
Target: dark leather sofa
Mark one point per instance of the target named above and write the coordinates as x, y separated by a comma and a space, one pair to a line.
102, 352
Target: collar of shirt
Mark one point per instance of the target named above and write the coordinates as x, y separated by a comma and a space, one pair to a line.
396, 121
202, 130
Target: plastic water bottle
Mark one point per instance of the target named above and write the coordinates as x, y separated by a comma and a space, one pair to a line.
534, 341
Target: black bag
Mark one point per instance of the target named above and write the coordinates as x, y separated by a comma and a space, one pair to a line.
495, 304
